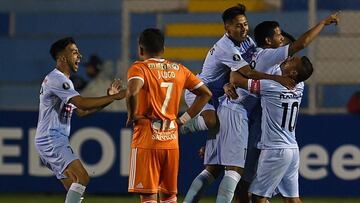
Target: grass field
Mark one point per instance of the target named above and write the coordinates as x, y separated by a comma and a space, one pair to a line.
37, 198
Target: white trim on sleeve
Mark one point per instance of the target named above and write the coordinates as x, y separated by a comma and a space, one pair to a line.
197, 86
136, 77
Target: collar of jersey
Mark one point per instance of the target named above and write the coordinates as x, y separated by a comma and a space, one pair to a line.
155, 59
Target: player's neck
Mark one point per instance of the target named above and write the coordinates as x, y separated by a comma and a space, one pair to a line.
63, 69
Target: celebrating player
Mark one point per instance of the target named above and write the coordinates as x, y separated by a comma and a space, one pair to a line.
58, 99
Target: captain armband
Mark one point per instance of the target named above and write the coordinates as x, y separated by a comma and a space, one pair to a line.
254, 86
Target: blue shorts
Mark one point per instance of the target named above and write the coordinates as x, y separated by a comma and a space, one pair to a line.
230, 144
278, 172
55, 153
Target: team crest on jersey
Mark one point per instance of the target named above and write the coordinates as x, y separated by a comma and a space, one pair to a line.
236, 57
66, 86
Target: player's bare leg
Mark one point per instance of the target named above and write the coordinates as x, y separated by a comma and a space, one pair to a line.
241, 192
76, 182
259, 199
291, 200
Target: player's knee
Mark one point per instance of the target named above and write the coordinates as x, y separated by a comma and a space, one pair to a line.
210, 119
211, 122
292, 200
84, 179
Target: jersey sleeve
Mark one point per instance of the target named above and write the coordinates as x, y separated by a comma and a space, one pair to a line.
271, 57
268, 86
231, 57
63, 88
136, 72
191, 81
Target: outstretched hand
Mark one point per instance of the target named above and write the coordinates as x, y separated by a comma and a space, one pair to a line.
115, 87
333, 18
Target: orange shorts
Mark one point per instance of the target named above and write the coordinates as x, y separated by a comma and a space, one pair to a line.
153, 170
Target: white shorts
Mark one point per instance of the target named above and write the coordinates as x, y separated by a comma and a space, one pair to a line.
278, 171
56, 153
229, 146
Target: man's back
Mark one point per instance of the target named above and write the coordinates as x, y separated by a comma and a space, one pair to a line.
158, 101
280, 109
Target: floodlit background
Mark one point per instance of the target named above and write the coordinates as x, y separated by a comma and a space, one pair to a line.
327, 133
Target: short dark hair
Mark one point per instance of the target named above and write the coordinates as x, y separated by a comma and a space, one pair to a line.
60, 45
230, 13
305, 71
152, 40
264, 30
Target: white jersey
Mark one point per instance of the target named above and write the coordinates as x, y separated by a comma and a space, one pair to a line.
280, 108
225, 56
263, 60
54, 110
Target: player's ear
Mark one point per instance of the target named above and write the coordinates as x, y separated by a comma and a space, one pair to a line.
293, 74
141, 50
268, 40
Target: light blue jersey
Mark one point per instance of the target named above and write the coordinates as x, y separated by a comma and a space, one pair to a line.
54, 110
279, 158
53, 129
280, 108
263, 60
225, 56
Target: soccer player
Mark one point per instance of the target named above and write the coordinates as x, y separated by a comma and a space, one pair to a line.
58, 100
155, 87
279, 157
231, 53
270, 51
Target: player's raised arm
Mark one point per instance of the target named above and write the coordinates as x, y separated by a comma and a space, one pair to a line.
306, 38
89, 103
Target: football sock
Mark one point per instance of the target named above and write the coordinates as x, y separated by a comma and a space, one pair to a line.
193, 125
227, 186
74, 193
198, 186
172, 199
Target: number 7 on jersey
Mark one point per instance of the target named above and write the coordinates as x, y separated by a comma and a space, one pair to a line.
169, 87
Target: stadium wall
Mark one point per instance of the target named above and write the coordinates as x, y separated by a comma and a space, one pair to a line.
330, 154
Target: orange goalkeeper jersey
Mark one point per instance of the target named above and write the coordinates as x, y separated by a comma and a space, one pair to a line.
158, 101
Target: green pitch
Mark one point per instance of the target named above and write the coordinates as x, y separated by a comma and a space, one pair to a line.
38, 198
